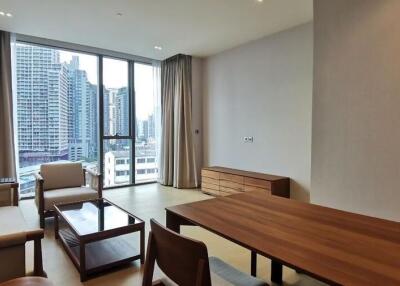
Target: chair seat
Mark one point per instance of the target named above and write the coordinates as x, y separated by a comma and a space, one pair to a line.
68, 195
223, 274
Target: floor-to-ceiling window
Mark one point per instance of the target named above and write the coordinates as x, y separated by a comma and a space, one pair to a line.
59, 114
146, 113
117, 128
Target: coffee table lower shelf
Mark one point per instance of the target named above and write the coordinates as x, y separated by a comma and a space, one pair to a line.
99, 255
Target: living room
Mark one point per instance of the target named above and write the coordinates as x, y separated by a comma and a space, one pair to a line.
224, 142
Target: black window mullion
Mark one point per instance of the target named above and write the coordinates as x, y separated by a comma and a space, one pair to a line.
101, 116
132, 118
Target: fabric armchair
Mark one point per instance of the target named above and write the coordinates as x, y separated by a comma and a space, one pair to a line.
64, 183
14, 234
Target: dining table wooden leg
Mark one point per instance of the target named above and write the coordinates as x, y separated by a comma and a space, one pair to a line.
173, 222
276, 272
253, 264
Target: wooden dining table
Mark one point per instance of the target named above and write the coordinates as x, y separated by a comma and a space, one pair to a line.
336, 247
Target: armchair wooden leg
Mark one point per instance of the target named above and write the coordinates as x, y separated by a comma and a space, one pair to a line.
41, 215
37, 259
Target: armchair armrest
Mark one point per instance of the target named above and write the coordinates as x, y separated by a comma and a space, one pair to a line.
95, 181
37, 235
93, 173
38, 177
12, 239
39, 192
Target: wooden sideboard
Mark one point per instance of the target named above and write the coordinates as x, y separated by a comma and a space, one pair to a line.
220, 181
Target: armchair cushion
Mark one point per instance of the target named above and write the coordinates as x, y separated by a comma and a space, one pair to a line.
12, 227
68, 195
12, 243
12, 262
61, 175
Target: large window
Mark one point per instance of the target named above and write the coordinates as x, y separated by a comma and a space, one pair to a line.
59, 114
147, 113
57, 110
116, 138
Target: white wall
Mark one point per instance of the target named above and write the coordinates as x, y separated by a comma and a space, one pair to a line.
356, 106
262, 89
197, 111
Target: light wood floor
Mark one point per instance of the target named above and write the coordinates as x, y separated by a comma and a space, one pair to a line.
147, 201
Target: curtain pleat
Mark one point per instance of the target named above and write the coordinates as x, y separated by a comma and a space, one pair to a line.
177, 158
7, 154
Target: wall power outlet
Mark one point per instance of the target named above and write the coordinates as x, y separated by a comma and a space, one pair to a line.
248, 139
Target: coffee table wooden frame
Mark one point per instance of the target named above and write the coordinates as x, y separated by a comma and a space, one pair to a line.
80, 260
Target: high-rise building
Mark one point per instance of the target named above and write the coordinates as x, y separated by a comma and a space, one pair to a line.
122, 111
116, 107
82, 97
42, 99
151, 127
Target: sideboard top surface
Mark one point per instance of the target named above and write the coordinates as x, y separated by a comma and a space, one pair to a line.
256, 175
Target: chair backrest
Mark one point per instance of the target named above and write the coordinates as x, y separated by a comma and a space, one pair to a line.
61, 175
182, 259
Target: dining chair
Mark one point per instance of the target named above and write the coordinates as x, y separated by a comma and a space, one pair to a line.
185, 262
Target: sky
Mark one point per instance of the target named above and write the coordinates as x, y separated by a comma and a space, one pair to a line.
115, 75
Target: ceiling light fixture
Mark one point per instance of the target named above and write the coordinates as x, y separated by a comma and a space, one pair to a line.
260, 1
8, 14
158, 48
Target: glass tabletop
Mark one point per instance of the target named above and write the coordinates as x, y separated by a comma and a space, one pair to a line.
96, 216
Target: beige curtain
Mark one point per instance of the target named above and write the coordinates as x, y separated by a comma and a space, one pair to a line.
7, 156
177, 159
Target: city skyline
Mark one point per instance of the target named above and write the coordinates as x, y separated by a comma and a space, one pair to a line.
115, 76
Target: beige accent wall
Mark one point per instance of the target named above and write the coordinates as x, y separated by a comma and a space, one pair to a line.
262, 89
356, 106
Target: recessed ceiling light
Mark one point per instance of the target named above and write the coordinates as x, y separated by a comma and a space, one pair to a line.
260, 1
158, 48
2, 13
9, 15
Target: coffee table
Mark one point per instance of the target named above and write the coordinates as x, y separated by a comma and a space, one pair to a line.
95, 235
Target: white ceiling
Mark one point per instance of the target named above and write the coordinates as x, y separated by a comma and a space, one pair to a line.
196, 27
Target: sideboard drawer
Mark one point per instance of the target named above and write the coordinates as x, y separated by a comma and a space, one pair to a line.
210, 174
228, 190
252, 188
208, 180
231, 178
231, 185
257, 183
210, 186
